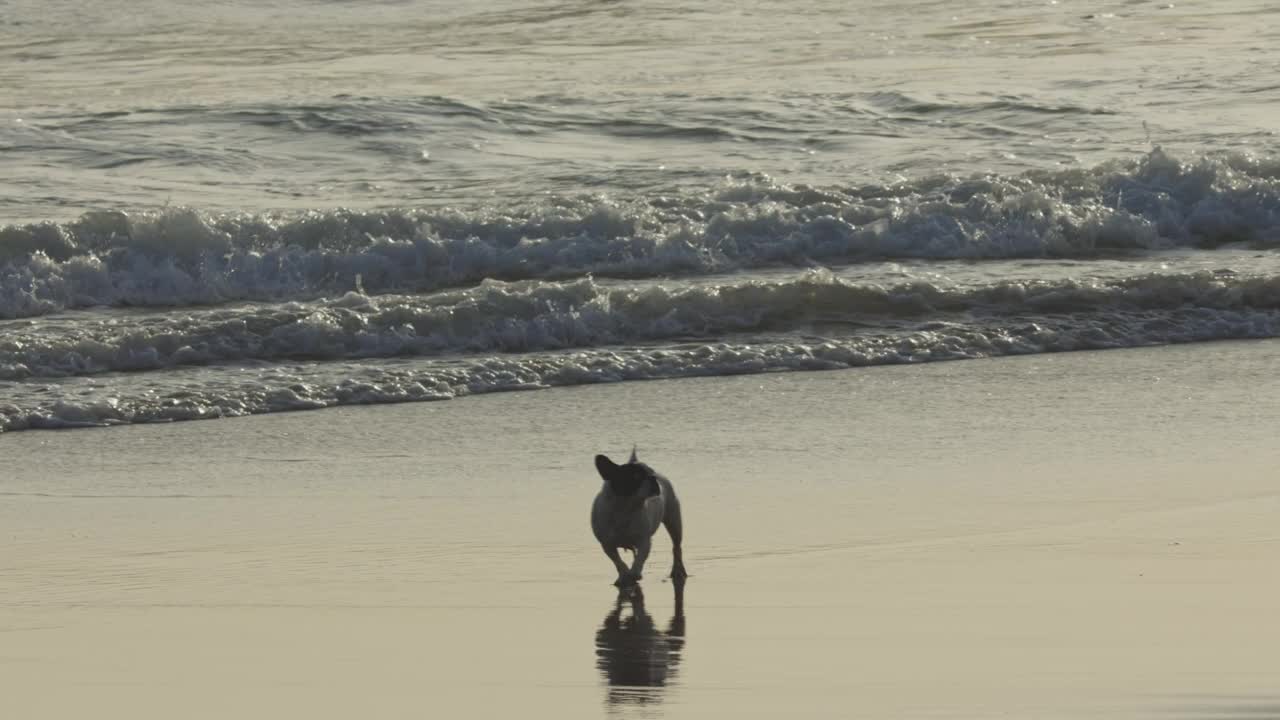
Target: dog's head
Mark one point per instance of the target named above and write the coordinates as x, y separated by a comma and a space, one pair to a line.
631, 479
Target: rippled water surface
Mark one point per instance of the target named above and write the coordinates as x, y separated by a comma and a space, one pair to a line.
221, 208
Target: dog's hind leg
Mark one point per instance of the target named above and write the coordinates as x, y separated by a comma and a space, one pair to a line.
624, 574
671, 519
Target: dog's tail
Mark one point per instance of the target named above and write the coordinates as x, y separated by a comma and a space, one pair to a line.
633, 454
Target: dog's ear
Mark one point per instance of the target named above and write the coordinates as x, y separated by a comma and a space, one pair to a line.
606, 467
653, 488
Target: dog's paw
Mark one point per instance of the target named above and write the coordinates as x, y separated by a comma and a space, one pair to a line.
678, 573
627, 580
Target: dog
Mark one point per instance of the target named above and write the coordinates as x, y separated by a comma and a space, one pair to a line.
626, 513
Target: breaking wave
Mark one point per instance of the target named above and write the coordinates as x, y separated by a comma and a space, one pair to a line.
537, 316
181, 257
231, 390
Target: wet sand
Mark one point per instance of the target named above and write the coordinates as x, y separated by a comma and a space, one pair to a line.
1078, 535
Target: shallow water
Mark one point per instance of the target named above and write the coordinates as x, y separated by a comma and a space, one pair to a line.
1055, 536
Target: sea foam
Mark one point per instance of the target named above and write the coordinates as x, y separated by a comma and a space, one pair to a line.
536, 316
181, 257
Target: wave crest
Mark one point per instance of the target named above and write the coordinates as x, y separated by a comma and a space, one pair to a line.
183, 257
540, 316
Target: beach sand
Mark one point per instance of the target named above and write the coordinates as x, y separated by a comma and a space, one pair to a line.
1075, 535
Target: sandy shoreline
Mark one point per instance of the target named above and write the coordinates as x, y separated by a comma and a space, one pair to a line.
1075, 535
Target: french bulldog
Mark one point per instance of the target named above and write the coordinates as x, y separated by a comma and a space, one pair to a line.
630, 506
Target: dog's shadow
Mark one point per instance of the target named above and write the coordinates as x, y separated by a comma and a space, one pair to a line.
637, 660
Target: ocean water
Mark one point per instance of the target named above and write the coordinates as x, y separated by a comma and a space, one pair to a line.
221, 208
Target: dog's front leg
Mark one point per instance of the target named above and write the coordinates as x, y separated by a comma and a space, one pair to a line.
623, 573
642, 554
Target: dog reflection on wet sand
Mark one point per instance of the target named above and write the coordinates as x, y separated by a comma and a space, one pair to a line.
636, 659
